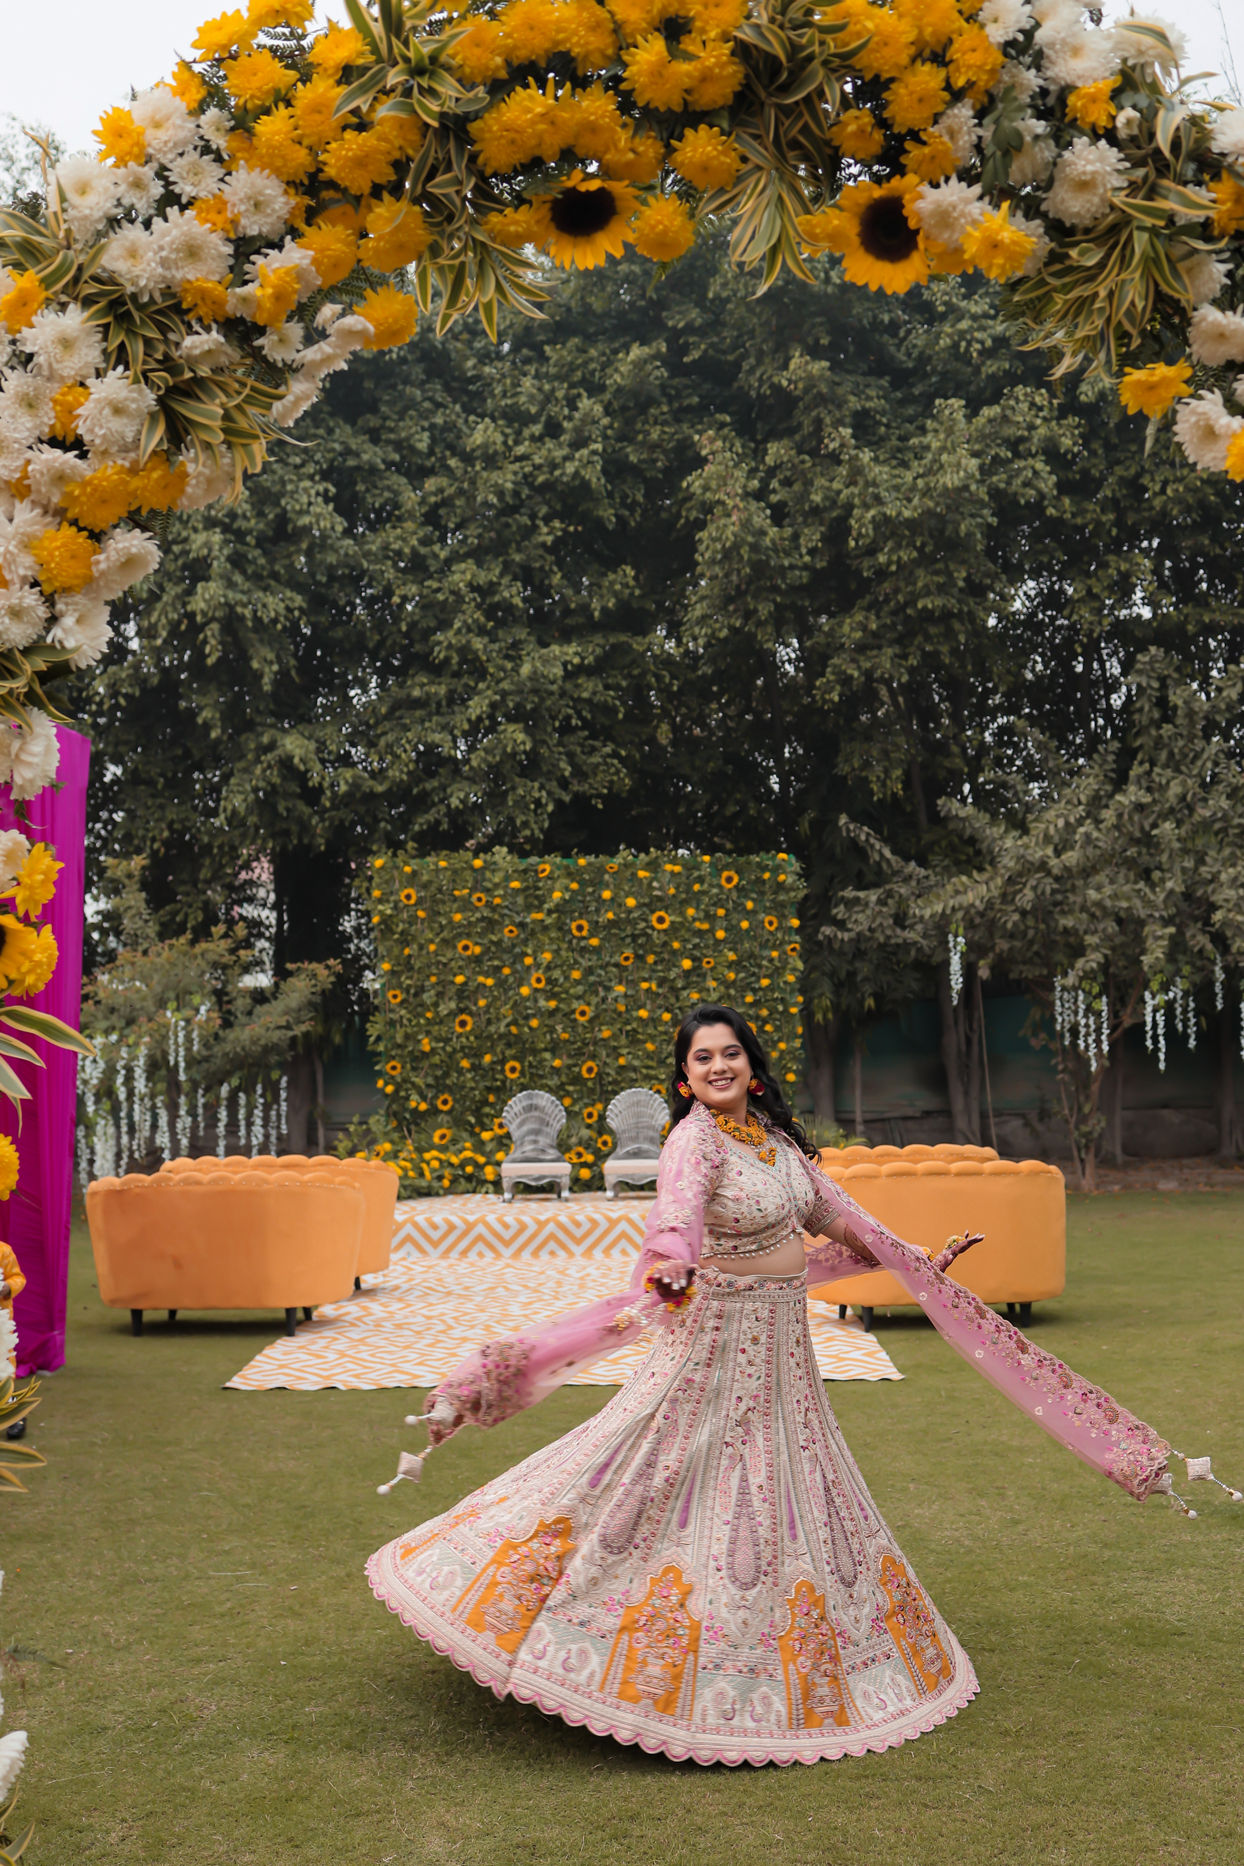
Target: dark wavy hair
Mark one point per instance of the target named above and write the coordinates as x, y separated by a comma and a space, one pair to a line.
770, 1102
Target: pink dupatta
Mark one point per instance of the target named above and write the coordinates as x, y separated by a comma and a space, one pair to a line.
504, 1377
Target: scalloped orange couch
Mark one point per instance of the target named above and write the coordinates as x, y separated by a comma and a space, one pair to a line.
376, 1181
927, 1193
224, 1241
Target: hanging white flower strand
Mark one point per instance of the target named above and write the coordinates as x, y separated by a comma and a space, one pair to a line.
957, 946
1220, 975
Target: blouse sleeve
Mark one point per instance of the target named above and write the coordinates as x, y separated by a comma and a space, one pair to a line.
691, 1163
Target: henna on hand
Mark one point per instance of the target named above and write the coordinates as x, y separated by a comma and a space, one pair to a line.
855, 1243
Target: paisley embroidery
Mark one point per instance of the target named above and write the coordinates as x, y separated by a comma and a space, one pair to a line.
743, 1543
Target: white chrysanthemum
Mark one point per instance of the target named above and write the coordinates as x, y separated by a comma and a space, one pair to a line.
19, 530
1004, 19
287, 254
327, 316
1217, 336
1036, 230
1136, 47
242, 301
282, 344
81, 629
961, 130
25, 407
1084, 178
29, 760
1204, 429
127, 557
170, 127
1226, 138
1055, 12
1018, 78
217, 127
947, 209
89, 190
64, 346
12, 1746
302, 393
22, 616
110, 420
134, 260
1204, 276
260, 205
8, 1356
205, 485
1033, 161
50, 470
1080, 57
14, 849
194, 175
141, 187
1127, 123
207, 349
189, 250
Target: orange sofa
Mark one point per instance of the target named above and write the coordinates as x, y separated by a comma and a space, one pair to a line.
1020, 1205
224, 1241
376, 1181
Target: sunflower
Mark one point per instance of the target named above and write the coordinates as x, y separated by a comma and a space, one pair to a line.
444, 1103
479, 900
544, 869
409, 896
582, 1013
660, 921
393, 1068
537, 981
585, 222
578, 928
464, 947
510, 932
869, 226
463, 1023
442, 1137
770, 923
626, 958
604, 1142
513, 1071
589, 1072
728, 878
591, 1115
394, 996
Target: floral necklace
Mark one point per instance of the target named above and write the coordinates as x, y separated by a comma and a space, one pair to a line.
754, 1135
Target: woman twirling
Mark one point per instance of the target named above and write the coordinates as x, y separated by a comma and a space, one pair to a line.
699, 1568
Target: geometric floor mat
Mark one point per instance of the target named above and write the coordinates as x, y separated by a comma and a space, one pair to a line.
412, 1323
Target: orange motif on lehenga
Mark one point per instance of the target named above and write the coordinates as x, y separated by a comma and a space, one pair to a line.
511, 1588
913, 1628
653, 1657
816, 1691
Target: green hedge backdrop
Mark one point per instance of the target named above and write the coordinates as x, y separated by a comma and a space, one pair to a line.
499, 973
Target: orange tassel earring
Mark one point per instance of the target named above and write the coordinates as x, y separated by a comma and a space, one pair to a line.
684, 1091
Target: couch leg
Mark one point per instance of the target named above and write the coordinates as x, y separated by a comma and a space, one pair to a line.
1010, 1311
307, 1314
842, 1311
866, 1316
1025, 1314
136, 1321
172, 1315
291, 1321
358, 1282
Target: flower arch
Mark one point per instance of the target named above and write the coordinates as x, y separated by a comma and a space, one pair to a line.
240, 231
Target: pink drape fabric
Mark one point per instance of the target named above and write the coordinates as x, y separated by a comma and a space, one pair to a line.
36, 1220
506, 1376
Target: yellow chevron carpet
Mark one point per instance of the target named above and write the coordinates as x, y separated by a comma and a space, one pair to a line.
467, 1269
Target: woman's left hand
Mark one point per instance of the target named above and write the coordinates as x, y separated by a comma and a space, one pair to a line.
955, 1247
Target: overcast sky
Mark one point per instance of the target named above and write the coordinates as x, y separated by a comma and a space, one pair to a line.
66, 61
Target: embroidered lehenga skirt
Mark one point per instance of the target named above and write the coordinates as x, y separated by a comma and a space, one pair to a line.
698, 1568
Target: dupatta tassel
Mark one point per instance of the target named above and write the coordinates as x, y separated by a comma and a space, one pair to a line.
1199, 1472
408, 1465
1165, 1488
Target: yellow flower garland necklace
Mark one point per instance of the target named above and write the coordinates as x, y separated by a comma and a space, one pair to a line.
754, 1135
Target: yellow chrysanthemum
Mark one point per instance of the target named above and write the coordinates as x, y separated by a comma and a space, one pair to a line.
633, 18
19, 946
275, 146
65, 558
215, 212
515, 227
706, 157
19, 306
67, 404
1235, 456
858, 136
715, 74
313, 105
333, 250
917, 96
929, 158
187, 85
663, 229
588, 35
397, 235
277, 294
206, 299
100, 499
586, 220
1155, 388
526, 125
360, 161
932, 22
399, 135
478, 56
654, 79
258, 78
640, 159
8, 1166
335, 49
595, 128
261, 14
891, 44
228, 32
974, 61
158, 486
996, 248
1090, 105
120, 139
1228, 214
36, 881
392, 316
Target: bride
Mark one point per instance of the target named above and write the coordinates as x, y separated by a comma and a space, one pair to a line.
699, 1567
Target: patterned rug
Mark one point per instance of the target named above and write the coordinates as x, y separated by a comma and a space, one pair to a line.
465, 1270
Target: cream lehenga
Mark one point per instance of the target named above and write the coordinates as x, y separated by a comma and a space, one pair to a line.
699, 1568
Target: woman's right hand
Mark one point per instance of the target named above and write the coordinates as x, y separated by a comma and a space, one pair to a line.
669, 1279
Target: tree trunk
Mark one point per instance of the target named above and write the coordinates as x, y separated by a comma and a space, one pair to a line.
301, 1100
1114, 1118
1228, 1136
820, 1042
984, 1048
857, 1081
318, 1110
960, 1050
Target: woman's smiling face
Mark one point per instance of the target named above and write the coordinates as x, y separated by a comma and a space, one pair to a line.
718, 1070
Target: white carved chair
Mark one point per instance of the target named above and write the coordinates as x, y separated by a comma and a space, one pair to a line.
635, 1117
534, 1121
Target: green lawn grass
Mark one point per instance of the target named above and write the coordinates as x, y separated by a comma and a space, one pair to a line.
217, 1684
